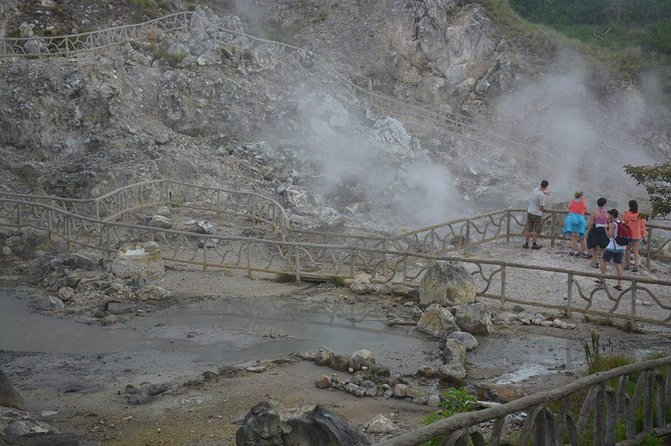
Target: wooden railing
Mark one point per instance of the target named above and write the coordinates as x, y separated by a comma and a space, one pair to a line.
620, 406
121, 202
498, 280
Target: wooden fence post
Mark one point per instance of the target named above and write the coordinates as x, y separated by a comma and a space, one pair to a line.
648, 250
508, 226
298, 264
632, 315
569, 295
503, 286
552, 229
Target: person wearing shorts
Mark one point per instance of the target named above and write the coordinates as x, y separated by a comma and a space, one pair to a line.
535, 210
597, 239
613, 251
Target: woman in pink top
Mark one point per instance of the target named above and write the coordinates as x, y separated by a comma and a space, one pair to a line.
575, 224
637, 224
596, 235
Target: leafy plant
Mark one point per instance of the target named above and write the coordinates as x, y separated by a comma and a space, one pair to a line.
454, 400
657, 182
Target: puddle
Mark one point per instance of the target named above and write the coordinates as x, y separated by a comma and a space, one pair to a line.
518, 358
215, 331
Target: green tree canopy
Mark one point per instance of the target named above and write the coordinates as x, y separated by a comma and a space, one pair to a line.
657, 182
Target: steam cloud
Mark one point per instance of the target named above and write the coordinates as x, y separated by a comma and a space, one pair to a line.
580, 138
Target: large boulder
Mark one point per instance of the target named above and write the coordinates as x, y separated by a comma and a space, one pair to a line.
437, 321
474, 318
139, 261
268, 424
446, 284
8, 396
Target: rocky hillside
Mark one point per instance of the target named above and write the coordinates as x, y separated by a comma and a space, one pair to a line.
280, 122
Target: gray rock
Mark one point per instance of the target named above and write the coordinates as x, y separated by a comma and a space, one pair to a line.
351, 388
446, 284
140, 397
454, 355
16, 423
208, 243
426, 371
361, 284
437, 321
8, 396
268, 424
153, 292
362, 358
434, 400
474, 318
159, 221
47, 303
380, 425
400, 390
204, 227
116, 307
74, 260
178, 51
66, 293
465, 338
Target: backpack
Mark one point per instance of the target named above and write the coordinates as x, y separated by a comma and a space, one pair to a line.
623, 237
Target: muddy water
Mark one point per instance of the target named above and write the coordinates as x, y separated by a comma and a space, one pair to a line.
213, 331
517, 358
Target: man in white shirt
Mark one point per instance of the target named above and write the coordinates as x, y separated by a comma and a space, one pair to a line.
535, 210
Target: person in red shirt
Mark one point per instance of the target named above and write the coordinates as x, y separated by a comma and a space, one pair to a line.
637, 224
575, 225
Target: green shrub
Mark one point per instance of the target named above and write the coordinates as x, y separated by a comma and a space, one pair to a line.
454, 400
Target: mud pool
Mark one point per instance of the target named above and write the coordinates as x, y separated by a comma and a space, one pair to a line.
216, 332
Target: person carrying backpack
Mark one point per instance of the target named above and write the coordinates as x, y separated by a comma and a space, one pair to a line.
619, 236
637, 224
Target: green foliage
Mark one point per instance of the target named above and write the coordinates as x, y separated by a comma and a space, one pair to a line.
613, 22
657, 182
595, 358
628, 36
454, 400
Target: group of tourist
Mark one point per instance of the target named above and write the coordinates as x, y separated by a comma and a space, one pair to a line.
604, 237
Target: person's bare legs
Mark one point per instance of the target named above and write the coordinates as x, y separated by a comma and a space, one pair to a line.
627, 256
618, 272
583, 245
595, 256
602, 267
574, 242
635, 248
